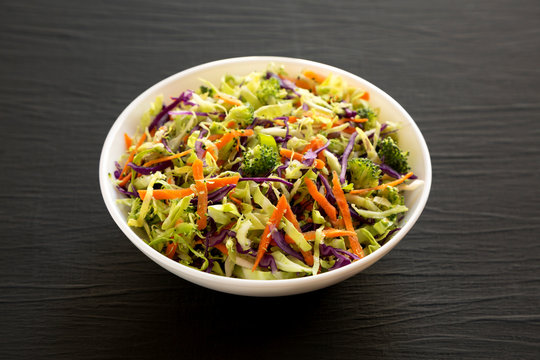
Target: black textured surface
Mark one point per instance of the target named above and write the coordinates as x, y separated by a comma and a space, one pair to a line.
463, 284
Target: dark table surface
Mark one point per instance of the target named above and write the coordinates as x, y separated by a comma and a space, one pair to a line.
463, 284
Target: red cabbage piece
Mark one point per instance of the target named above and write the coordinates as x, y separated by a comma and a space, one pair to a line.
278, 237
307, 227
322, 148
283, 83
133, 193
166, 145
163, 115
152, 169
309, 158
389, 171
345, 157
262, 122
250, 251
343, 257
118, 170
215, 239
329, 195
280, 168
349, 113
268, 261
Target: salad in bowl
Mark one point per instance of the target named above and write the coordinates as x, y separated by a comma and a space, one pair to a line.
265, 175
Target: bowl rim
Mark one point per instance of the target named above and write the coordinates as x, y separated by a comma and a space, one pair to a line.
193, 274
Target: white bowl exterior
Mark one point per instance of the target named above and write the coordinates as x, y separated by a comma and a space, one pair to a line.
410, 136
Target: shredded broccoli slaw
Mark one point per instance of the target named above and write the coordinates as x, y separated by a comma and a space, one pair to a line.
265, 176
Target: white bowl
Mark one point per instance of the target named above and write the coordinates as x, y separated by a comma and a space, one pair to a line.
410, 139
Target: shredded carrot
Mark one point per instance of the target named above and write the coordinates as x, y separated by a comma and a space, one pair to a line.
128, 141
202, 193
167, 158
321, 200
289, 215
313, 76
350, 130
216, 183
231, 135
363, 120
231, 124
221, 247
275, 218
382, 186
167, 194
228, 99
292, 119
329, 233
171, 250
297, 156
365, 96
214, 137
304, 84
346, 215
132, 154
124, 180
230, 195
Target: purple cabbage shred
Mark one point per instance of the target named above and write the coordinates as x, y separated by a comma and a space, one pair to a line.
345, 157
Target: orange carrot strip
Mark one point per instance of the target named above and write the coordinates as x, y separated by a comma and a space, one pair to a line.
313, 76
235, 199
356, 120
231, 124
231, 135
297, 156
124, 180
289, 215
329, 233
132, 154
202, 193
346, 215
228, 99
171, 250
365, 96
216, 183
382, 186
166, 158
167, 194
221, 247
321, 200
350, 130
292, 119
275, 218
303, 84
211, 185
215, 137
128, 141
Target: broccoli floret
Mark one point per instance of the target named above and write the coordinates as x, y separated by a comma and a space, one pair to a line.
206, 90
392, 155
391, 194
240, 114
269, 91
336, 146
260, 160
367, 113
364, 173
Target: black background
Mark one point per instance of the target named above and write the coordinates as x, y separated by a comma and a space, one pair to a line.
463, 284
